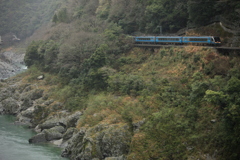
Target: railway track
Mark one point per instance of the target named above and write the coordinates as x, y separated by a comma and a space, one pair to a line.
159, 46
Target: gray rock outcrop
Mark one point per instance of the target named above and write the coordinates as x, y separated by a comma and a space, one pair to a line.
52, 124
39, 138
99, 142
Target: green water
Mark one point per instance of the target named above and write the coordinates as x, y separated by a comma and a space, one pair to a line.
14, 143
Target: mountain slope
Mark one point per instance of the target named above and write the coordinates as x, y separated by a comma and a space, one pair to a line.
168, 103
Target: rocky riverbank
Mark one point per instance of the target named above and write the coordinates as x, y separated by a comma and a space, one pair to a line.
11, 62
33, 107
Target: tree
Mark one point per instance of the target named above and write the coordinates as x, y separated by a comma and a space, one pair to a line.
201, 12
32, 57
171, 15
55, 18
98, 59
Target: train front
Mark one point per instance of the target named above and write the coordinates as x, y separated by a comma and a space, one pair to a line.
217, 41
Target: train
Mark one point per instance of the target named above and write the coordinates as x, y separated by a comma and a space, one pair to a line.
178, 40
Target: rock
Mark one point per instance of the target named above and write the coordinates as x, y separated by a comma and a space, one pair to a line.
1, 108
10, 106
72, 119
41, 77
52, 123
26, 103
57, 142
32, 94
24, 120
10, 61
213, 121
47, 103
39, 138
69, 133
37, 129
54, 133
99, 142
28, 113
137, 125
36, 94
6, 93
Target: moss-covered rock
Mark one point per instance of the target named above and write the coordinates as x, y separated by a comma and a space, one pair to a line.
10, 106
54, 133
100, 141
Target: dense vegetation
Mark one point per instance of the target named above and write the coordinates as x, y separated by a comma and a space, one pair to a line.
188, 97
23, 17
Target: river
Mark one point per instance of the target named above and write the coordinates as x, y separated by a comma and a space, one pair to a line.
14, 143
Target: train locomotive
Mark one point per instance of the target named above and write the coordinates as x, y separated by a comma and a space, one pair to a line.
178, 40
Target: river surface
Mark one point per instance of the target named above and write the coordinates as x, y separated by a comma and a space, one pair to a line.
14, 143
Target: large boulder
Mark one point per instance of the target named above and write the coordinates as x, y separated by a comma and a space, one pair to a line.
54, 133
73, 118
26, 103
23, 121
69, 133
28, 112
53, 122
51, 134
10, 106
64, 120
39, 138
99, 142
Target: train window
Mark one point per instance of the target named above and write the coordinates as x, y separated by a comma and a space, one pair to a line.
198, 39
144, 38
168, 39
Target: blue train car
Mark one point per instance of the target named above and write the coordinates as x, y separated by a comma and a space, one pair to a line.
205, 40
168, 40
144, 39
164, 40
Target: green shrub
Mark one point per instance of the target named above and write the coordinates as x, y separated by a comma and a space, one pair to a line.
233, 85
197, 76
216, 98
126, 84
32, 56
198, 91
75, 103
167, 129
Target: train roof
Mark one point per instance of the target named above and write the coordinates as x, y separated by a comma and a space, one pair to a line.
168, 36
175, 36
144, 36
198, 36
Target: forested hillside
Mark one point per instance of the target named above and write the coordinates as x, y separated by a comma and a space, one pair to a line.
22, 18
168, 103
